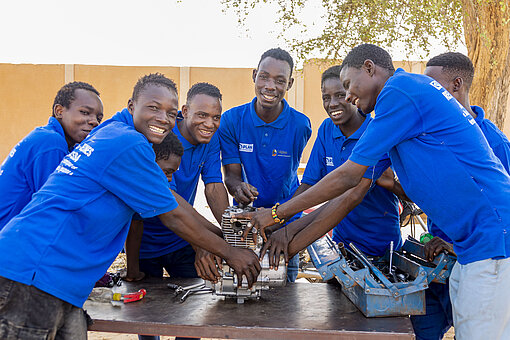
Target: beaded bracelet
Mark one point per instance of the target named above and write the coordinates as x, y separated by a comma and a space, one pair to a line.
275, 216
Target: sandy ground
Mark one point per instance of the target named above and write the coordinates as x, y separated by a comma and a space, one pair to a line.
201, 206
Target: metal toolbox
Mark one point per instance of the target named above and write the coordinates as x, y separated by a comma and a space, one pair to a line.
399, 292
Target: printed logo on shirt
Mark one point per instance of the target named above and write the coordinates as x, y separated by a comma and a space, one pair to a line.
243, 147
436, 85
447, 94
280, 153
67, 166
13, 151
86, 149
466, 114
329, 161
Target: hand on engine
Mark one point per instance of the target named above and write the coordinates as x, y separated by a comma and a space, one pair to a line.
245, 193
207, 265
277, 244
260, 219
244, 262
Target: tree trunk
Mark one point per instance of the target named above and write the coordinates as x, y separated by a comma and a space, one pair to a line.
487, 35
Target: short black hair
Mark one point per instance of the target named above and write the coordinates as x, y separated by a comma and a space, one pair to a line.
332, 72
157, 79
65, 95
455, 64
203, 88
280, 54
171, 145
357, 56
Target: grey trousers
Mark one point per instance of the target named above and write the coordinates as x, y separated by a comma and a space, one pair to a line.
30, 314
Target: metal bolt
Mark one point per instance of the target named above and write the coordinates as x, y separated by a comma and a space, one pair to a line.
367, 290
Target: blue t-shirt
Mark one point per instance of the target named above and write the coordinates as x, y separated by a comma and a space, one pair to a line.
374, 222
443, 162
200, 159
269, 152
75, 225
499, 144
28, 166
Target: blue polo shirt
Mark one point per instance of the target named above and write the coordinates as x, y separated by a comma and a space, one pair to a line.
197, 160
444, 164
75, 225
374, 222
269, 152
28, 166
499, 144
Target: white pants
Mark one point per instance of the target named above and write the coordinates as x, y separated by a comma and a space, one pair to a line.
480, 295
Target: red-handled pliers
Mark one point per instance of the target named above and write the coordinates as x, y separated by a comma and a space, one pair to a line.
131, 297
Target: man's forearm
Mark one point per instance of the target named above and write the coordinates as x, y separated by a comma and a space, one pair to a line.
233, 177
191, 211
301, 189
348, 175
192, 230
328, 216
217, 199
399, 192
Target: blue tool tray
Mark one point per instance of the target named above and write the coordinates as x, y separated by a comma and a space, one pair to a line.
369, 289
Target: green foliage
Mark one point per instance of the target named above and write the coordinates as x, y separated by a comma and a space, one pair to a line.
412, 24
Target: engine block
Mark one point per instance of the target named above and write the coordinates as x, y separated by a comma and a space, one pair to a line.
227, 285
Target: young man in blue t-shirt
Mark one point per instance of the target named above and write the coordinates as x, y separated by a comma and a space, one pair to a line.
454, 71
161, 248
262, 141
67, 236
77, 109
374, 222
445, 165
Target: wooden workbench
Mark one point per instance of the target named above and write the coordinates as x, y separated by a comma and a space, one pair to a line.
297, 311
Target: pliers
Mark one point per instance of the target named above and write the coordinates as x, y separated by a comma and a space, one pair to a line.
130, 297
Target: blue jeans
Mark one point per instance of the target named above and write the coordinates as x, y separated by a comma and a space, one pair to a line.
179, 263
438, 318
29, 313
293, 268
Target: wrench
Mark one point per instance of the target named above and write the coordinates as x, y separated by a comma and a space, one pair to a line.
180, 289
193, 291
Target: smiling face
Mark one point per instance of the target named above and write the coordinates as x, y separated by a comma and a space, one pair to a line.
154, 112
202, 115
333, 100
84, 113
362, 86
272, 80
170, 165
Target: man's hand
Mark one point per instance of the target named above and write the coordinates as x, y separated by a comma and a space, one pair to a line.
207, 265
387, 180
244, 262
245, 193
435, 246
278, 243
260, 219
